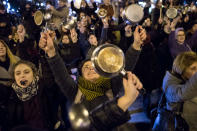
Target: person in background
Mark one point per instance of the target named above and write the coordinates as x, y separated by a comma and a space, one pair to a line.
91, 88
26, 46
177, 40
60, 14
180, 86
31, 98
7, 60
5, 23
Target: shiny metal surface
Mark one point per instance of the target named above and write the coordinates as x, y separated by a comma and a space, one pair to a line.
110, 59
70, 23
133, 14
102, 13
79, 117
171, 13
38, 17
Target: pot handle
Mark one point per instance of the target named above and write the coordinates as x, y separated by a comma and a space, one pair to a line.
124, 74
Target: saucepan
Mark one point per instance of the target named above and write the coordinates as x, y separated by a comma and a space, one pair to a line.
133, 14
171, 13
109, 61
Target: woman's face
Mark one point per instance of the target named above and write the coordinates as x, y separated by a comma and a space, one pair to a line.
190, 71
2, 50
181, 37
93, 40
65, 39
23, 75
88, 72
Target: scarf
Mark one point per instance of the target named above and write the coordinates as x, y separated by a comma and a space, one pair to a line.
27, 93
92, 90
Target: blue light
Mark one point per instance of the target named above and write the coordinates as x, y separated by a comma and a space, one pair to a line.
13, 10
42, 4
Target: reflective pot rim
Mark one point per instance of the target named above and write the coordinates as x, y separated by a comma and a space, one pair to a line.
98, 69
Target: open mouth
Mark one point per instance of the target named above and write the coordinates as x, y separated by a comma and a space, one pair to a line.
23, 82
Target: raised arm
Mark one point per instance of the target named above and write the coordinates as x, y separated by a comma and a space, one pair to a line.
58, 68
114, 113
133, 53
64, 12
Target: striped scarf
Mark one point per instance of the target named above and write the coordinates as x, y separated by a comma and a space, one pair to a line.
92, 90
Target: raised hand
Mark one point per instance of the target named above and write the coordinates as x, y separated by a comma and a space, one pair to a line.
174, 23
105, 22
186, 19
74, 34
131, 87
21, 33
46, 44
160, 20
128, 31
139, 37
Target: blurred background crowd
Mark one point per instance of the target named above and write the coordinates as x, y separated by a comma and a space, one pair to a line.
77, 28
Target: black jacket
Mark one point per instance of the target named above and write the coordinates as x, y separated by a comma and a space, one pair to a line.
70, 88
41, 108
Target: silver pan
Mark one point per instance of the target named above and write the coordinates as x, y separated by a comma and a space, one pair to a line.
133, 14
171, 13
109, 61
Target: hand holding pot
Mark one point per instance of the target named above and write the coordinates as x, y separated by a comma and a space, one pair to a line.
46, 44
139, 37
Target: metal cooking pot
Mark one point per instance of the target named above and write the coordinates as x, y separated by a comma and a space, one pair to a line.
79, 117
171, 13
70, 23
40, 16
133, 14
109, 61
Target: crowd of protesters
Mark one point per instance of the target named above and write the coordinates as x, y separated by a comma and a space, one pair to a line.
44, 71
